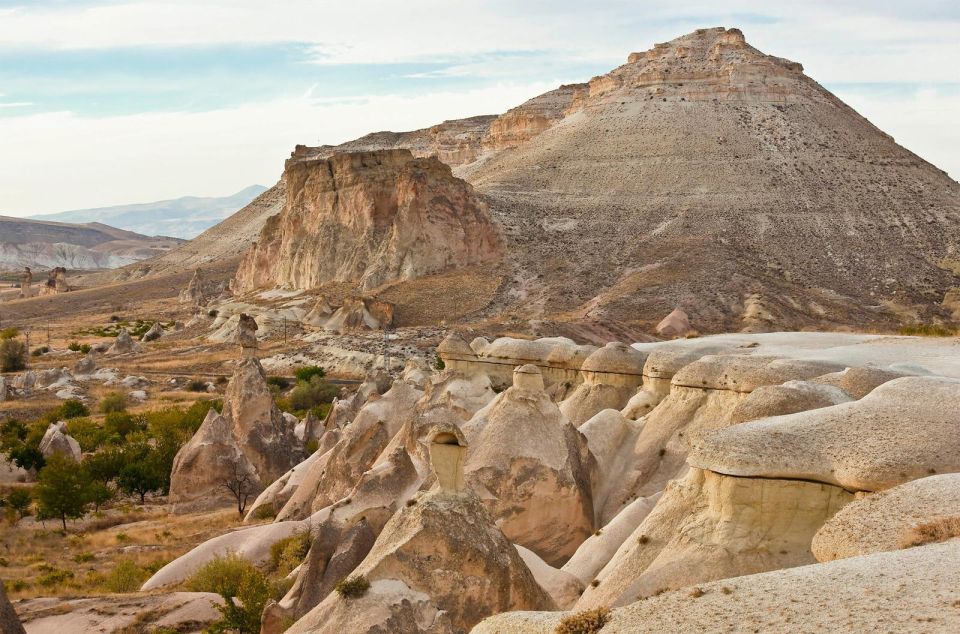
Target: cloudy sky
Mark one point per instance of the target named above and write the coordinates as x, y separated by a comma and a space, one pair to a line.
111, 102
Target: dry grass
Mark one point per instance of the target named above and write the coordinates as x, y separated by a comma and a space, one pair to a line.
937, 530
101, 554
586, 622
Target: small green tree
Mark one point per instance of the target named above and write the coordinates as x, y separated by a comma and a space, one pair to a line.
113, 402
70, 408
99, 494
141, 477
62, 490
19, 501
13, 355
307, 372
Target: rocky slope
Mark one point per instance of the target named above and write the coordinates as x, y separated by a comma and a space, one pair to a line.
369, 218
698, 174
46, 245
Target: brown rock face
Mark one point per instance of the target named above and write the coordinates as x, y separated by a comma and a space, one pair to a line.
369, 218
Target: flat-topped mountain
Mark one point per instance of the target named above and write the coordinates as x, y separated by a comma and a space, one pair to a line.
702, 174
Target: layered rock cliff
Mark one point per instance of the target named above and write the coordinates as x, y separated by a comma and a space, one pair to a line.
369, 218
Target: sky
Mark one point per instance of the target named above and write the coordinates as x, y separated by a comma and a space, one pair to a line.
115, 102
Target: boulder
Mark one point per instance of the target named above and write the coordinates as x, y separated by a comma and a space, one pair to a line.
563, 587
787, 398
532, 469
124, 344
193, 293
439, 565
155, 332
902, 430
57, 441
891, 519
85, 365
245, 334
676, 324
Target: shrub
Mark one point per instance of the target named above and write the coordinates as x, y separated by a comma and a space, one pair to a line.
19, 501
88, 433
197, 385
9, 333
13, 355
212, 312
312, 445
936, 530
119, 425
926, 330
265, 512
438, 363
307, 372
70, 408
54, 577
86, 348
278, 383
234, 578
352, 587
74, 346
586, 622
42, 350
309, 395
126, 576
288, 553
113, 402
83, 558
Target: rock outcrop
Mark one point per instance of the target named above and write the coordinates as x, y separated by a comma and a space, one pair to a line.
369, 218
532, 469
193, 293
249, 440
56, 440
611, 376
154, 333
676, 324
9, 623
124, 344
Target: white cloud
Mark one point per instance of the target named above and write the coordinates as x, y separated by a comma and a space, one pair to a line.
58, 161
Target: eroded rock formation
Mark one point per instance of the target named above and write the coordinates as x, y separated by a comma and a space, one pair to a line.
370, 218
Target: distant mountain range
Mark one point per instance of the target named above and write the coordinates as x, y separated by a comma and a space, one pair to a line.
183, 217
41, 244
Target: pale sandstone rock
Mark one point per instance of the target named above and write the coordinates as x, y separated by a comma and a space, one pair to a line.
84, 365
598, 549
676, 324
175, 611
155, 332
360, 313
416, 372
56, 282
245, 334
563, 587
532, 469
611, 438
709, 526
193, 293
858, 381
788, 398
898, 432
251, 543
382, 216
3, 388
885, 592
124, 344
57, 441
882, 521
446, 549
611, 376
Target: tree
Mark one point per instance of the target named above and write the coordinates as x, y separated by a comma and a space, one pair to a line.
100, 494
13, 355
19, 500
141, 477
62, 490
310, 394
242, 485
307, 372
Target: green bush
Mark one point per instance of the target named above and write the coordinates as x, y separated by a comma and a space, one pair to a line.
288, 553
70, 408
9, 333
113, 402
19, 501
438, 363
278, 383
265, 512
234, 578
13, 355
39, 352
125, 577
74, 346
90, 435
119, 425
352, 587
308, 395
54, 577
586, 622
307, 372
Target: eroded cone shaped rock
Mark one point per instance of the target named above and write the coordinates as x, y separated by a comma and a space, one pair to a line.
611, 376
9, 623
676, 324
124, 344
155, 332
440, 566
261, 432
202, 468
532, 469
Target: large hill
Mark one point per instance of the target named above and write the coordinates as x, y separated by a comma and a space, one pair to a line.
44, 245
703, 174
183, 217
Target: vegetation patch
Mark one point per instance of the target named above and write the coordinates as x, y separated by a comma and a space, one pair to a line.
586, 622
352, 587
937, 530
